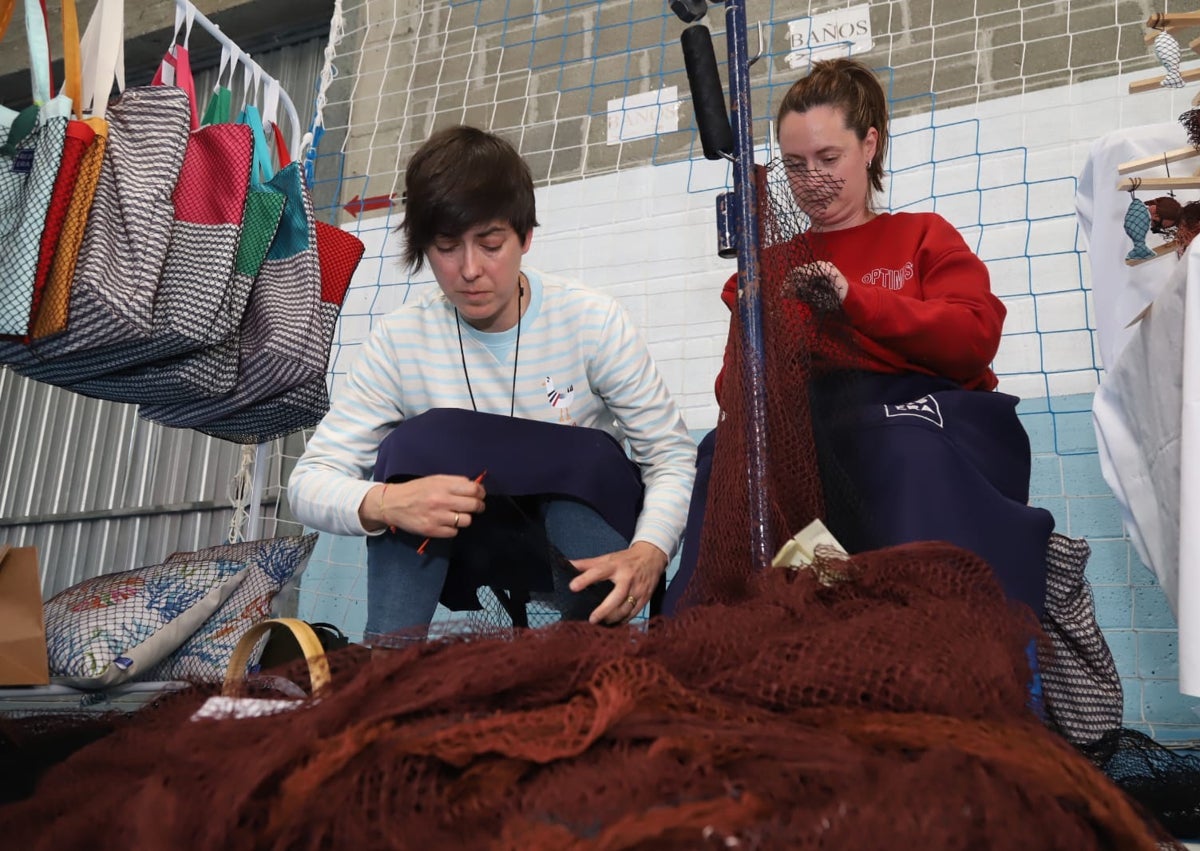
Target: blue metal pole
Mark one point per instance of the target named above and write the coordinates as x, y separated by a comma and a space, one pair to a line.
749, 302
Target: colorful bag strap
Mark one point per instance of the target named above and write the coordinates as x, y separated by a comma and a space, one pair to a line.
220, 102
271, 116
39, 52
46, 21
261, 171
177, 60
72, 66
281, 148
176, 66
6, 13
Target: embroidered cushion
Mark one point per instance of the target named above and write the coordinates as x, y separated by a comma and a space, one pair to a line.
270, 565
111, 628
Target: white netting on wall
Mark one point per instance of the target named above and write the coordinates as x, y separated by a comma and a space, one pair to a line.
594, 95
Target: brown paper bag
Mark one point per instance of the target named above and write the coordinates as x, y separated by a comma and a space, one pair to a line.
23, 659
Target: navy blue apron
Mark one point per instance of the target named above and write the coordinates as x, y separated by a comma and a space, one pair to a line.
908, 458
689, 551
526, 461
918, 458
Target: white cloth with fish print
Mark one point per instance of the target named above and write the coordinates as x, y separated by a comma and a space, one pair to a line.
1147, 408
1122, 292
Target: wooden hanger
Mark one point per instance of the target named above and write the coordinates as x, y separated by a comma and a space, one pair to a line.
1167, 183
1169, 20
1158, 24
1152, 83
1189, 181
1164, 158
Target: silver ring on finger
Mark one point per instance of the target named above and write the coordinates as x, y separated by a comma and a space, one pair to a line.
456, 515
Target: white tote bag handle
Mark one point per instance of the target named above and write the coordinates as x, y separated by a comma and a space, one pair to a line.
39, 52
103, 50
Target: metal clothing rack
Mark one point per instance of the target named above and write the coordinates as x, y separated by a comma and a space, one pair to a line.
298, 139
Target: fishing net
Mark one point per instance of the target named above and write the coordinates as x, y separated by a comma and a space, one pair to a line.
33, 742
887, 706
874, 701
1165, 782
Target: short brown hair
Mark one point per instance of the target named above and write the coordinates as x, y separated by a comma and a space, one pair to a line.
853, 87
459, 178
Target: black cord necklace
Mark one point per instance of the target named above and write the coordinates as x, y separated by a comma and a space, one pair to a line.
512, 404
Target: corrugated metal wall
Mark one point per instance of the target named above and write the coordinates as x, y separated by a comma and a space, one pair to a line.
98, 490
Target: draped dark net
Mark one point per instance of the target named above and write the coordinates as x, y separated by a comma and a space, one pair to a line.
885, 708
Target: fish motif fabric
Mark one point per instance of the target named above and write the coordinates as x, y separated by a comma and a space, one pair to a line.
1137, 225
1166, 48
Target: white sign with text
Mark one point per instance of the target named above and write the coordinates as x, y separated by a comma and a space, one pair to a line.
642, 115
841, 32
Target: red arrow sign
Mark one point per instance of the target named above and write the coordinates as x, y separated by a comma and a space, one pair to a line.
358, 206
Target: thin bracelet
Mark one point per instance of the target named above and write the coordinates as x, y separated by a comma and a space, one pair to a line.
382, 519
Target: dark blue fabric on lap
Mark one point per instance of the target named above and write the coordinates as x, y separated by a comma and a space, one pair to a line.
921, 459
526, 462
522, 458
689, 551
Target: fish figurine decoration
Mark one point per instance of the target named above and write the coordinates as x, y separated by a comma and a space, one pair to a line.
1137, 225
1166, 48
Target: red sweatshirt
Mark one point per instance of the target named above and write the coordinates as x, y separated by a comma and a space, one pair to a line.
919, 298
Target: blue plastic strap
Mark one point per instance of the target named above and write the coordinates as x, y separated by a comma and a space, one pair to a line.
262, 170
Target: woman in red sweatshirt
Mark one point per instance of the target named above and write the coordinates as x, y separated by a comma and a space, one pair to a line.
912, 445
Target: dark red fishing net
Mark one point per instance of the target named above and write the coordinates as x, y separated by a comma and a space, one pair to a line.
801, 323
883, 708
888, 708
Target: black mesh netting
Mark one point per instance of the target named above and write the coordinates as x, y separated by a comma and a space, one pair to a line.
879, 701
1165, 782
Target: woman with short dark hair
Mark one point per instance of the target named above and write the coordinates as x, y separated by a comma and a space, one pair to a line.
483, 373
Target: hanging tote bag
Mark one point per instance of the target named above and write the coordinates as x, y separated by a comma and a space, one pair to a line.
85, 139
192, 307
31, 147
91, 134
279, 342
79, 136
129, 225
212, 370
304, 405
199, 302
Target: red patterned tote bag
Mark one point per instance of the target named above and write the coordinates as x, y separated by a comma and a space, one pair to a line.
213, 370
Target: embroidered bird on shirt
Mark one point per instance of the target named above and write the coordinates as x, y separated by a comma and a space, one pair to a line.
560, 399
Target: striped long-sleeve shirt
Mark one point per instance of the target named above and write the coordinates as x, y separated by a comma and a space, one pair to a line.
581, 360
